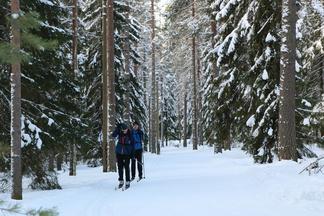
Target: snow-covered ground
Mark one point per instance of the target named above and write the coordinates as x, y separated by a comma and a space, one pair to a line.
181, 181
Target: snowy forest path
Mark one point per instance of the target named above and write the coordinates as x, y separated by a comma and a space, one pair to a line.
182, 181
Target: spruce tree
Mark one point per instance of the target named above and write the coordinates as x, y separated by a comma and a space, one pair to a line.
247, 52
49, 115
92, 75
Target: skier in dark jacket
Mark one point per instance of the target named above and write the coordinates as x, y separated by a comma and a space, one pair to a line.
138, 136
125, 149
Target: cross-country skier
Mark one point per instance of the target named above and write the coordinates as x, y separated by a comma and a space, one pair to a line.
138, 136
125, 149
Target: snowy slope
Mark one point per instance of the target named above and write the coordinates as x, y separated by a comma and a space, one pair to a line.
181, 181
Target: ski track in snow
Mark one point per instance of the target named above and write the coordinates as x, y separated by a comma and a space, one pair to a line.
181, 181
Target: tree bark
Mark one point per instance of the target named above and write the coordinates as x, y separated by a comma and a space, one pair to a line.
199, 99
179, 119
218, 148
287, 125
75, 65
162, 113
150, 124
104, 87
158, 147
127, 71
153, 135
146, 102
16, 174
111, 86
185, 121
194, 96
59, 161
322, 88
71, 171
75, 37
227, 143
74, 159
51, 160
213, 28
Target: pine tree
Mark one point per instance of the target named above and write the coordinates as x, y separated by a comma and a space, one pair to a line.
287, 120
194, 85
16, 172
153, 86
104, 86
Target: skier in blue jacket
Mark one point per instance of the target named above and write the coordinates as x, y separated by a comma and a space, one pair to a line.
125, 149
138, 136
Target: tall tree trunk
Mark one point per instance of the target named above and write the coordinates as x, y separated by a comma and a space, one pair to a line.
150, 125
111, 86
153, 93
213, 28
227, 143
75, 66
127, 71
75, 37
59, 161
218, 148
74, 158
144, 80
104, 87
162, 113
146, 101
179, 120
199, 98
322, 87
287, 122
51, 160
71, 170
16, 175
166, 138
194, 96
158, 147
185, 121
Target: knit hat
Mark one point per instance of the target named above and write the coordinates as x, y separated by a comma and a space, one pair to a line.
135, 123
123, 126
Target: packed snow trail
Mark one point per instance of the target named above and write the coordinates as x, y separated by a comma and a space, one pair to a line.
181, 181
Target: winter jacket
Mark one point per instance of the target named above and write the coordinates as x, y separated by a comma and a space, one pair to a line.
126, 142
138, 138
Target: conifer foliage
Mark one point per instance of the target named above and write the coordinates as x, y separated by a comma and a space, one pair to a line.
48, 88
244, 98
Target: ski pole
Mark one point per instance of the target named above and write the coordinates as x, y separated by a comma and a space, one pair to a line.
138, 162
143, 163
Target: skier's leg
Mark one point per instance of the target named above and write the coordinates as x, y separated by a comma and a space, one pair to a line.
120, 167
133, 167
139, 164
127, 170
